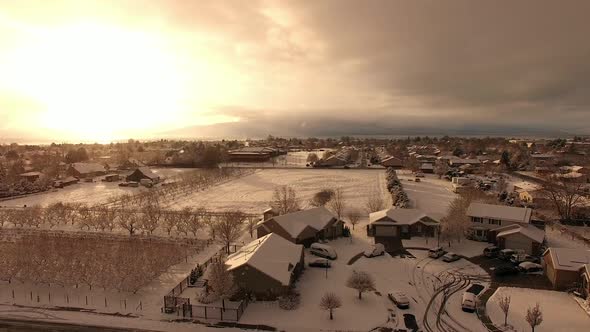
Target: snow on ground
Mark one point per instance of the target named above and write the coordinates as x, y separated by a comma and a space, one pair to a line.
431, 194
555, 238
87, 192
294, 159
560, 311
465, 248
253, 193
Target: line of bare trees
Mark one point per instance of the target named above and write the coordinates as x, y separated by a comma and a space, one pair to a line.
133, 219
398, 195
91, 261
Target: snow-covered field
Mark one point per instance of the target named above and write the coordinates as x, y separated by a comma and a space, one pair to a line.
84, 192
253, 193
295, 159
431, 194
560, 311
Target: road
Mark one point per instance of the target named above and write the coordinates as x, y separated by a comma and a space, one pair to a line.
34, 325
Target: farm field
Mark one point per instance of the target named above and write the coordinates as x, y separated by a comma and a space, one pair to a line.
90, 193
252, 193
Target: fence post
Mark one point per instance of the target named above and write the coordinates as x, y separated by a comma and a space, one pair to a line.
205, 312
221, 312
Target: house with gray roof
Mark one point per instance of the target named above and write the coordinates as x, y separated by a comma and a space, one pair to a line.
486, 218
563, 266
303, 227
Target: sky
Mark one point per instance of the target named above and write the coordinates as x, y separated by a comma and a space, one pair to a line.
104, 70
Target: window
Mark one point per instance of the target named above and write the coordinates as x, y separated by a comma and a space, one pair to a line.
477, 219
494, 222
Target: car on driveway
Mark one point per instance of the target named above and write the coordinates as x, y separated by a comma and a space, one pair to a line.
410, 322
436, 252
451, 257
323, 250
530, 268
419, 175
399, 299
505, 254
468, 302
320, 262
377, 249
503, 271
519, 258
492, 251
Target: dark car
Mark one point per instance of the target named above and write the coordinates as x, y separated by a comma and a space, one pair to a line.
503, 271
320, 263
410, 321
491, 251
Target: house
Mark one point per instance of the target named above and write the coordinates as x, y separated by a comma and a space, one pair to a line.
485, 218
31, 176
392, 162
562, 266
303, 227
427, 159
252, 153
525, 237
65, 182
143, 173
267, 266
390, 226
427, 168
112, 178
85, 170
333, 160
131, 163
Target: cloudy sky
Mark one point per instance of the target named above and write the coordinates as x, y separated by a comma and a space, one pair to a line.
102, 70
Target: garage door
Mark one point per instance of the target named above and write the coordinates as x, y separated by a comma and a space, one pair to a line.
517, 241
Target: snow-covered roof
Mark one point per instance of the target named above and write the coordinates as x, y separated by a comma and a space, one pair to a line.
147, 172
294, 223
501, 212
529, 231
465, 161
27, 174
427, 166
400, 217
85, 168
271, 254
568, 259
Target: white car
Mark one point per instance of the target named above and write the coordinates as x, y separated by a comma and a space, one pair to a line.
436, 252
451, 257
468, 302
376, 250
530, 268
419, 175
399, 299
323, 250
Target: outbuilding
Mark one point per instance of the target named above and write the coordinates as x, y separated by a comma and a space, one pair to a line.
563, 265
525, 237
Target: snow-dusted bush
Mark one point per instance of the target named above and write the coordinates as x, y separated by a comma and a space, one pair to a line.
290, 301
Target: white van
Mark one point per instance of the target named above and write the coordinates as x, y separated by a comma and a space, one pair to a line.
323, 250
468, 302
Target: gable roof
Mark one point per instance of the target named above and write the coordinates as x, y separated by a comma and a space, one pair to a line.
568, 259
502, 212
86, 168
147, 172
529, 231
271, 254
294, 223
400, 217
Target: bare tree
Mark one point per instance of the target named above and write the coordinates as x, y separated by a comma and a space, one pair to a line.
504, 304
330, 301
441, 168
312, 158
170, 221
565, 194
361, 281
354, 216
374, 202
220, 280
129, 221
456, 221
534, 316
152, 213
284, 200
337, 203
229, 227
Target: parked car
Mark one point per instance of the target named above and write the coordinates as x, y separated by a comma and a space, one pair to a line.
505, 254
530, 267
419, 175
417, 179
468, 302
436, 252
323, 250
399, 299
410, 322
451, 257
377, 249
320, 262
492, 251
505, 271
518, 258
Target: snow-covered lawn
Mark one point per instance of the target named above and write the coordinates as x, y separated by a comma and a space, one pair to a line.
431, 194
253, 193
390, 274
560, 311
465, 248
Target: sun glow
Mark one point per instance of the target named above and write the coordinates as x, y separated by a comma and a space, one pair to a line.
98, 82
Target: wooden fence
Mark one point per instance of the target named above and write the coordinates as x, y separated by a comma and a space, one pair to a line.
175, 303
